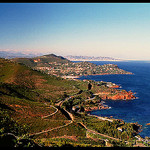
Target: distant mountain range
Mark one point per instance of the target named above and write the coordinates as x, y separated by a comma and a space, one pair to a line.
90, 58
12, 54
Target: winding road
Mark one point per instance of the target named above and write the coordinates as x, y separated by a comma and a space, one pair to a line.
52, 113
58, 104
72, 119
95, 132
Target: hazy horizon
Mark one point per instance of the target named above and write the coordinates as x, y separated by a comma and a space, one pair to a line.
118, 30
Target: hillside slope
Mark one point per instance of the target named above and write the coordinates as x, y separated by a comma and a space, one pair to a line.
41, 61
30, 104
26, 94
46, 86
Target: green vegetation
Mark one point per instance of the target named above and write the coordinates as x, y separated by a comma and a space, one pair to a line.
117, 129
27, 95
73, 129
34, 85
72, 141
9, 125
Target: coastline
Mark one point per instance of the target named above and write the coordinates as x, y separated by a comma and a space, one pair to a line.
79, 76
99, 107
102, 106
111, 119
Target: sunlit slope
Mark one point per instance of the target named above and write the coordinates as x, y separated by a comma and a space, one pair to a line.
41, 61
26, 95
34, 85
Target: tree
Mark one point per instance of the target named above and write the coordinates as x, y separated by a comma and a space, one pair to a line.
89, 86
124, 135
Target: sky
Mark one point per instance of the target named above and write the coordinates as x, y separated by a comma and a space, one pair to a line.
119, 30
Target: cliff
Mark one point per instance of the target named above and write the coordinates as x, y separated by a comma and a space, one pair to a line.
121, 95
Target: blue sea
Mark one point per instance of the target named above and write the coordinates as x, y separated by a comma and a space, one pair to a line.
137, 110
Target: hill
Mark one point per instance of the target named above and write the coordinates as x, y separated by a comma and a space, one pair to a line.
41, 61
50, 110
42, 86
59, 66
24, 93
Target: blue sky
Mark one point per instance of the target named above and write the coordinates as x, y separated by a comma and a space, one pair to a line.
119, 30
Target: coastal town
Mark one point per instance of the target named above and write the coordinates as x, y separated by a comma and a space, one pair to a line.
68, 68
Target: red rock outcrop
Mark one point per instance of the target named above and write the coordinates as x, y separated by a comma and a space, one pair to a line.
115, 86
123, 95
96, 108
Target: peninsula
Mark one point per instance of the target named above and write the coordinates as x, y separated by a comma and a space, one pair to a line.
59, 66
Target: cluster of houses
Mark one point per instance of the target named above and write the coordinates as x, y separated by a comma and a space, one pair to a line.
74, 69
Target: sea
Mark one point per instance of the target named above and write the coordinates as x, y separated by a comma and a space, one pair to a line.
131, 111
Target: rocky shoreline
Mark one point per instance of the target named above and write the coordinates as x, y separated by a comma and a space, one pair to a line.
99, 107
117, 95
122, 95
111, 119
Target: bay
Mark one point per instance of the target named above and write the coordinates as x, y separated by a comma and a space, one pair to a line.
137, 110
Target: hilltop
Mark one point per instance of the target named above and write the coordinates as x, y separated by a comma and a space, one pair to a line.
60, 66
41, 61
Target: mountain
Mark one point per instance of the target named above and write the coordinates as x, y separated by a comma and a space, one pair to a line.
90, 58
